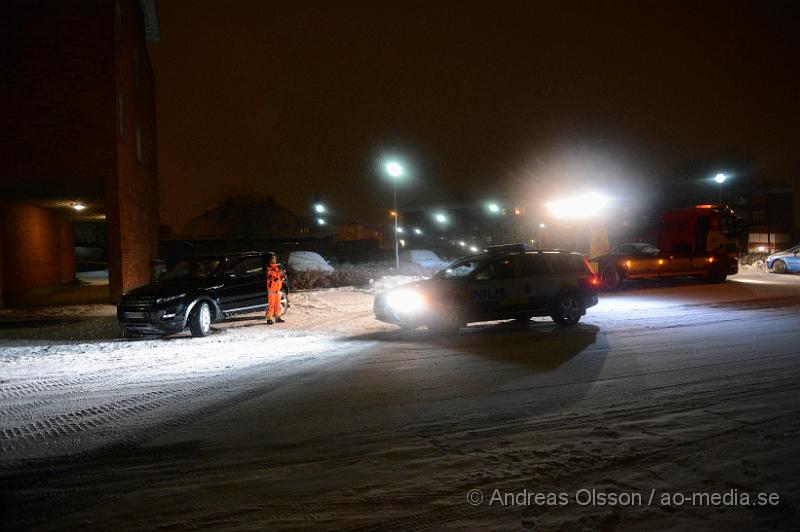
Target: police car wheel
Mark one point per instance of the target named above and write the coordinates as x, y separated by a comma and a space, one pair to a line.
779, 266
200, 321
567, 310
611, 277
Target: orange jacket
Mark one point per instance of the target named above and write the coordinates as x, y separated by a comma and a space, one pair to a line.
274, 278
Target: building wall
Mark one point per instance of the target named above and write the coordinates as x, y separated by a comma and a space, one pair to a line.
36, 248
57, 115
68, 61
132, 190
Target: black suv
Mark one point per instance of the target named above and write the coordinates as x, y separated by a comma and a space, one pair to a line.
198, 291
505, 282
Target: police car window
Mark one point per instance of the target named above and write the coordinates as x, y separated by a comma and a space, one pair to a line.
576, 263
499, 269
459, 269
535, 265
564, 263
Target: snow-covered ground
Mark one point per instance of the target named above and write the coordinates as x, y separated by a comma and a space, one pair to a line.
334, 420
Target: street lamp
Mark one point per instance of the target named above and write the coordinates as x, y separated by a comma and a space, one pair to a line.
720, 178
578, 207
439, 217
395, 171
493, 208
417, 231
319, 207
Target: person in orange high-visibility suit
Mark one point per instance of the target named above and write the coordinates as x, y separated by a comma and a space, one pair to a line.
274, 285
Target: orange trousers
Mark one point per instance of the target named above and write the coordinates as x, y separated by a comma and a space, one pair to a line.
273, 305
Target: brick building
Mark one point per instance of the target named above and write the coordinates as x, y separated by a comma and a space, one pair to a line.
77, 139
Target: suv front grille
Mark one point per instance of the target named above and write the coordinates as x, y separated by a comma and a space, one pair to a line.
144, 302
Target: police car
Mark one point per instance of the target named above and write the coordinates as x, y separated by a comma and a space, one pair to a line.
504, 282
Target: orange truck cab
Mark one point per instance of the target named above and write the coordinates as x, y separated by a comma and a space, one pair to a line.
706, 235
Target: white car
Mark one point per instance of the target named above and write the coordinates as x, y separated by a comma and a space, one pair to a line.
423, 258
307, 261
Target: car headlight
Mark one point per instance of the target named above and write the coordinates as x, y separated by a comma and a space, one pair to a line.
406, 301
169, 299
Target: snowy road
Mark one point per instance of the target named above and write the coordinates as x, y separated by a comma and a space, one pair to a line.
339, 421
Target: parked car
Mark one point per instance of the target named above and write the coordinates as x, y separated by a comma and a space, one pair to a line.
785, 261
422, 258
197, 292
307, 261
639, 260
506, 282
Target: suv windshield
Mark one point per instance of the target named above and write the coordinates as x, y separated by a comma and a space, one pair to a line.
191, 269
460, 269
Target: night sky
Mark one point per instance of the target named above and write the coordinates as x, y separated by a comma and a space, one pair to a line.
478, 98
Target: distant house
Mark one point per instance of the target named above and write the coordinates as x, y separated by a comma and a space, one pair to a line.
78, 123
244, 218
353, 230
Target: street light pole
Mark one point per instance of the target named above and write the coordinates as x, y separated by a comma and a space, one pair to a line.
395, 170
720, 178
396, 216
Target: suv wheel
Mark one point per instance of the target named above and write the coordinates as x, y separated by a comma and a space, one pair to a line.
200, 322
567, 310
284, 302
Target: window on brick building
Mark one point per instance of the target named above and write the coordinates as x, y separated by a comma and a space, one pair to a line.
122, 116
139, 142
136, 67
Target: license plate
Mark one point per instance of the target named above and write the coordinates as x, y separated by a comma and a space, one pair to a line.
134, 314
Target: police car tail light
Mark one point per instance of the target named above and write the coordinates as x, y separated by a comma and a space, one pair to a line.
589, 282
406, 301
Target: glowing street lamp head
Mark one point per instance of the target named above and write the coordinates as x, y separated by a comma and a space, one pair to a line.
319, 207
720, 178
321, 221
493, 207
417, 231
439, 217
78, 206
394, 169
579, 207
400, 230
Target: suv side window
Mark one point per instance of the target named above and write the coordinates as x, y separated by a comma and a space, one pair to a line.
498, 269
535, 264
250, 266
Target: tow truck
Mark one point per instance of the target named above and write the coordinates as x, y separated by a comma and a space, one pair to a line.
700, 241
